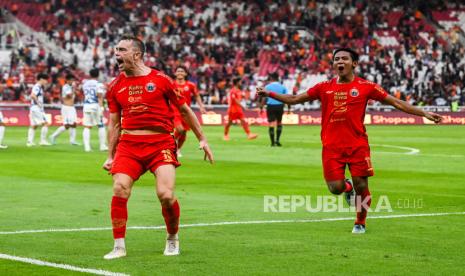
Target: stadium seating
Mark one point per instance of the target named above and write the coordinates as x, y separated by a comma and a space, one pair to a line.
218, 40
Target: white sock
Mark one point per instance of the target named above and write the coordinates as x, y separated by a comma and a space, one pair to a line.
86, 138
72, 135
30, 135
120, 243
102, 136
43, 134
2, 133
58, 131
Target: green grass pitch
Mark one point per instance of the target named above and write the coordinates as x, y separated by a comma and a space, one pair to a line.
62, 187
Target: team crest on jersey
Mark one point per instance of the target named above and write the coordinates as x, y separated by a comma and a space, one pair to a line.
354, 92
186, 88
150, 87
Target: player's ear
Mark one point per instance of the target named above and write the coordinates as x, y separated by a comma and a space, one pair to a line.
137, 54
354, 64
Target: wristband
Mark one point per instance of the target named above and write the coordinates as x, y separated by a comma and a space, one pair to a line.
272, 94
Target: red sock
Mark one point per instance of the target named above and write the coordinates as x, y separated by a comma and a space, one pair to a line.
181, 140
245, 126
348, 187
171, 215
365, 198
119, 216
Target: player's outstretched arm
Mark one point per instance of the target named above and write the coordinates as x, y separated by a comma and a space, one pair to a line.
114, 131
189, 116
410, 109
198, 99
288, 99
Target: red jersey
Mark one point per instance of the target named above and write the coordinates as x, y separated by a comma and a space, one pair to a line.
144, 101
187, 90
234, 94
343, 108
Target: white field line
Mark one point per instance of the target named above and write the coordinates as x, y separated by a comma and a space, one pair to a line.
230, 223
62, 266
410, 151
413, 151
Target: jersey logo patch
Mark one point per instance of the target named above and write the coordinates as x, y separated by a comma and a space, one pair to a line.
354, 92
150, 87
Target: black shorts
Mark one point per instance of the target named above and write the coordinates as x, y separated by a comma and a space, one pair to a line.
275, 112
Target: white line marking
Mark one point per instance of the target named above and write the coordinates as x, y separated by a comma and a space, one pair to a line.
443, 155
414, 151
410, 151
230, 223
62, 266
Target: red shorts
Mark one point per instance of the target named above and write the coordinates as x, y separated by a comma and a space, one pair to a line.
135, 154
336, 159
179, 121
238, 115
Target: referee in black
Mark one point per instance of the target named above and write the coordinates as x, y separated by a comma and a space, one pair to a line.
274, 109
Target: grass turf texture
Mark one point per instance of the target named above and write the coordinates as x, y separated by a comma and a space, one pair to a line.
64, 187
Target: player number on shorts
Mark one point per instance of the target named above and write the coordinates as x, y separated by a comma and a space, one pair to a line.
167, 156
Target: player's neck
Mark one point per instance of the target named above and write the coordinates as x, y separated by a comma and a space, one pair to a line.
138, 70
346, 78
181, 81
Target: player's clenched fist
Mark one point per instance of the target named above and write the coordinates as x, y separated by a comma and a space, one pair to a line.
107, 164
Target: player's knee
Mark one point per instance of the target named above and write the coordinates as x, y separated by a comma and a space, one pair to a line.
121, 190
360, 184
335, 188
165, 196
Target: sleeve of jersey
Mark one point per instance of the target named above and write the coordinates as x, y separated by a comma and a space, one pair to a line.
314, 92
35, 90
194, 89
170, 91
378, 93
113, 105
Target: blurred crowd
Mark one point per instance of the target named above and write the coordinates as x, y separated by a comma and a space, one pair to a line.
220, 40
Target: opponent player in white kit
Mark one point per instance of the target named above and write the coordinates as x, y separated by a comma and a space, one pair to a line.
94, 92
37, 113
2, 132
68, 112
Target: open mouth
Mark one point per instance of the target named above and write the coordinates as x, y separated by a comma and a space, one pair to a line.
340, 68
120, 62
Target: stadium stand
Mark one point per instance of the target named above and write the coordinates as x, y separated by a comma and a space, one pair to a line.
416, 50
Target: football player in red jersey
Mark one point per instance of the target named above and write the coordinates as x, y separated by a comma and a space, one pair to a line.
235, 111
141, 104
345, 142
187, 89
